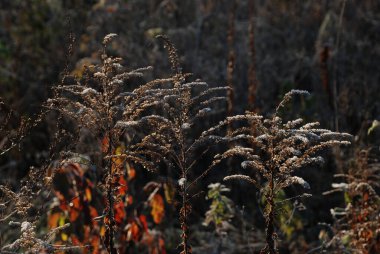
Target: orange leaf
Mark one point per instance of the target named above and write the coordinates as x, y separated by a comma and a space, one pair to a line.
135, 231
158, 210
118, 163
74, 215
131, 172
93, 214
53, 220
95, 243
102, 231
88, 194
106, 220
75, 207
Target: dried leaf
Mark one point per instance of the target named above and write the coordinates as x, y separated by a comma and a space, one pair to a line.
118, 162
64, 237
158, 209
53, 220
131, 172
75, 208
123, 186
88, 194
105, 144
143, 222
119, 212
169, 192
133, 232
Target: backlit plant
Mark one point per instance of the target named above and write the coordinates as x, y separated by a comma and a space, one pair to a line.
272, 150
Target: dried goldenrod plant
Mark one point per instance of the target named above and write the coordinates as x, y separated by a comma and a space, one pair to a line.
185, 104
13, 127
156, 119
272, 151
102, 106
21, 206
28, 242
357, 225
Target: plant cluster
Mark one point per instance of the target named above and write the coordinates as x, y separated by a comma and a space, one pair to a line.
356, 226
102, 124
107, 131
272, 150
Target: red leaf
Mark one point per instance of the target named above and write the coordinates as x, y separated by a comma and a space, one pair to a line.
123, 185
105, 144
142, 219
161, 245
119, 212
75, 240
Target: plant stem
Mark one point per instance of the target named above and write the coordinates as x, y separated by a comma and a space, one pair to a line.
184, 221
111, 223
184, 208
270, 219
270, 243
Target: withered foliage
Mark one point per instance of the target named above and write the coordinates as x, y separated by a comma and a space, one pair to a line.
157, 117
185, 104
272, 151
13, 127
356, 227
102, 105
103, 112
29, 241
21, 206
103, 122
